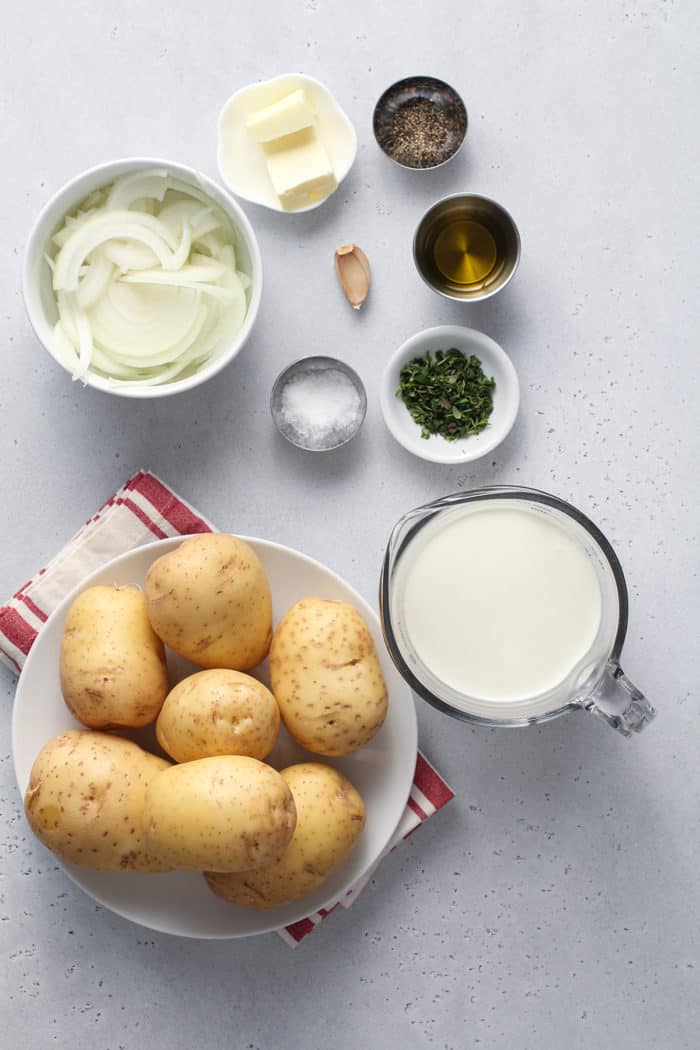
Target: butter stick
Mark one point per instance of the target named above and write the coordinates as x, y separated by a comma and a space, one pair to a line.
300, 169
291, 114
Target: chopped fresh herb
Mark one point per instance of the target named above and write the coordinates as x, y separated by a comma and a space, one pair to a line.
447, 394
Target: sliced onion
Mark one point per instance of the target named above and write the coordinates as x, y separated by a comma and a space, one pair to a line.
210, 243
145, 229
187, 190
97, 198
146, 281
182, 252
64, 348
74, 324
72, 224
227, 257
179, 280
154, 377
147, 205
85, 345
205, 272
130, 188
136, 321
175, 213
113, 369
212, 267
130, 256
94, 284
179, 190
239, 304
173, 353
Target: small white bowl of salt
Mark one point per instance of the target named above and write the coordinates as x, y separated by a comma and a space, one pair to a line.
318, 403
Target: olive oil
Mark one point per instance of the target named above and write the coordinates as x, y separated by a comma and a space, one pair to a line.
465, 252
466, 247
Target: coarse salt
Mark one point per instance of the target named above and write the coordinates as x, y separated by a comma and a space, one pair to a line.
321, 408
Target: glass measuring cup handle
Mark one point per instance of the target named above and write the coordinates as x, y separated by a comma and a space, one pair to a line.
619, 702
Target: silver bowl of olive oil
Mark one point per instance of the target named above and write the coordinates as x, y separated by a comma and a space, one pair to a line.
466, 247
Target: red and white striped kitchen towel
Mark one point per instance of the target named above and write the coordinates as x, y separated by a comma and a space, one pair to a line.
142, 510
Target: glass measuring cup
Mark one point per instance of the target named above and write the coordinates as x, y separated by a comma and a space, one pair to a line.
596, 682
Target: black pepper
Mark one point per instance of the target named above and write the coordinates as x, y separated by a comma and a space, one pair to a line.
418, 133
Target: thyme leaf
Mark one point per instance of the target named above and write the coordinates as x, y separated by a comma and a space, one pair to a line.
447, 394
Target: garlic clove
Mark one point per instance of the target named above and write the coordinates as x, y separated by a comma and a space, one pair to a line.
352, 267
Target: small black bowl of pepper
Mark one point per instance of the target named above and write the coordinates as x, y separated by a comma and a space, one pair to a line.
420, 122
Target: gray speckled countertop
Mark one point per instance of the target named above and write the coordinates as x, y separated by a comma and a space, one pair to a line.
555, 902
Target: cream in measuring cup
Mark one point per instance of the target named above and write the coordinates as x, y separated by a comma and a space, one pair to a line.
508, 606
502, 604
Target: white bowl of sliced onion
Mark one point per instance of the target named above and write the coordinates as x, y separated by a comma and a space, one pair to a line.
142, 277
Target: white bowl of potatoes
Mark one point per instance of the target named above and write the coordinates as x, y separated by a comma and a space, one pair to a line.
217, 787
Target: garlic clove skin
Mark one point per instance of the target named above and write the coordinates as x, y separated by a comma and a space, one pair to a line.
352, 267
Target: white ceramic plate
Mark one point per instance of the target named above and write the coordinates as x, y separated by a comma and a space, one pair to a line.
242, 161
495, 362
179, 902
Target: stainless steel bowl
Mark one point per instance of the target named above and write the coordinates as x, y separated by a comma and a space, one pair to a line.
489, 214
299, 429
443, 142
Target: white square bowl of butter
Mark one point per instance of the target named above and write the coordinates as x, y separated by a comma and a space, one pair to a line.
285, 143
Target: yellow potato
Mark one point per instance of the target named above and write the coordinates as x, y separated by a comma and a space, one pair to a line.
85, 801
218, 712
209, 600
330, 817
113, 669
228, 813
326, 677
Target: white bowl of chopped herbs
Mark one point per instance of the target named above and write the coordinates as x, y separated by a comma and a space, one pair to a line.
450, 394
